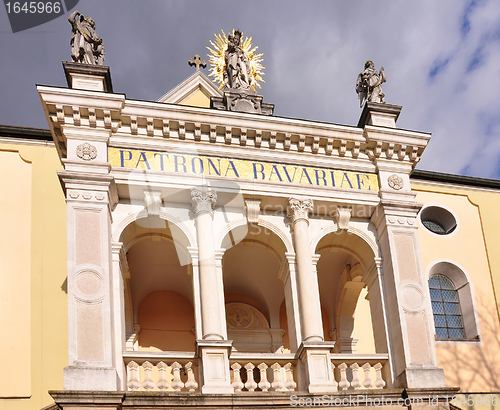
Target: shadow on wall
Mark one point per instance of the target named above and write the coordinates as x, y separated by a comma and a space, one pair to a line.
475, 366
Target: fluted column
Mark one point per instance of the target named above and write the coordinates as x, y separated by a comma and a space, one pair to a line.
203, 203
307, 281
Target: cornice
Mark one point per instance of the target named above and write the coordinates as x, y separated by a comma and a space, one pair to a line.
131, 120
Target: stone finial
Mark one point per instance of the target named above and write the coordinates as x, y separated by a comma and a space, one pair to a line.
196, 61
369, 84
86, 46
342, 216
203, 201
299, 209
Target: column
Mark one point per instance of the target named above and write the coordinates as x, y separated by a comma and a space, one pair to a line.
374, 279
314, 352
408, 307
212, 347
307, 281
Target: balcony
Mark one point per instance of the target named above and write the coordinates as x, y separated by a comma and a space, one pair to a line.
250, 372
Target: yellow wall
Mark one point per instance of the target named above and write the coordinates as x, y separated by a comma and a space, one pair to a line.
34, 345
474, 246
197, 99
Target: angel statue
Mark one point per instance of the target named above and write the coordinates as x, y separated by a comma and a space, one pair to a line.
237, 75
369, 84
86, 46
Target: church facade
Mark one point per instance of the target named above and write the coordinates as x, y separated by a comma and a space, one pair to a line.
186, 253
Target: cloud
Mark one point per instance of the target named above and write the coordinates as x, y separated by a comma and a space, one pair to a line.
441, 59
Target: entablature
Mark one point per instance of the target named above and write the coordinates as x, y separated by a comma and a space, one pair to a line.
133, 123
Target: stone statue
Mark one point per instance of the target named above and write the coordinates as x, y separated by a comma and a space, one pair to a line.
86, 46
237, 64
369, 84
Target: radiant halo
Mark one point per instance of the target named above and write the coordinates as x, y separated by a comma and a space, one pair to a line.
218, 63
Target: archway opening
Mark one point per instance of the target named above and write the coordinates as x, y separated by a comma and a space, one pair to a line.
344, 298
158, 288
253, 290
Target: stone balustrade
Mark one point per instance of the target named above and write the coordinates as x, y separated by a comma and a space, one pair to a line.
161, 372
262, 372
354, 372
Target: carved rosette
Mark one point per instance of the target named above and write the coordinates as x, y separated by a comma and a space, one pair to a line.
86, 151
299, 209
395, 182
203, 201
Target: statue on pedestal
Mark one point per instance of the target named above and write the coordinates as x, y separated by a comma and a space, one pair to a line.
369, 84
86, 46
237, 64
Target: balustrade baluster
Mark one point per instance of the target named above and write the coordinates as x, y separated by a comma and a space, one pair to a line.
333, 372
250, 384
237, 383
148, 383
163, 383
177, 383
367, 383
379, 382
289, 382
133, 381
263, 384
356, 383
191, 383
344, 383
277, 383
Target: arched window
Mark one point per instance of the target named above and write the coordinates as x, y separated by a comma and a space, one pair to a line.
448, 320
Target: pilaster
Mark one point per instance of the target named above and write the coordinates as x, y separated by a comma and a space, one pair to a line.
408, 307
90, 196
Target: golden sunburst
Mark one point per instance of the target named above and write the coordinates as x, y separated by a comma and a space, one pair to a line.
216, 58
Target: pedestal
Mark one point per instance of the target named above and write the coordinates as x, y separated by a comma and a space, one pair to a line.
242, 101
317, 361
214, 368
88, 77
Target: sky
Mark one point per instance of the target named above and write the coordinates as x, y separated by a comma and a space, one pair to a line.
441, 59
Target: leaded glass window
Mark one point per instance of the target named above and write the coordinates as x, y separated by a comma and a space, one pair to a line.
446, 308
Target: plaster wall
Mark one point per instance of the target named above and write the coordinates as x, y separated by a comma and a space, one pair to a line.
472, 365
33, 252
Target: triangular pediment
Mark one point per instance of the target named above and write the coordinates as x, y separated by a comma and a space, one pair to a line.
195, 91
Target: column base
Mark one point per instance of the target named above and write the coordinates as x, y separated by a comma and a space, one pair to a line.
318, 366
90, 378
214, 367
420, 378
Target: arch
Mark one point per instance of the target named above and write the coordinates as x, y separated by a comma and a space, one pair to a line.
265, 224
324, 232
463, 285
122, 226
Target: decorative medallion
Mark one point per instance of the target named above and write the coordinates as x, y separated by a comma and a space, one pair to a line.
86, 151
234, 61
395, 182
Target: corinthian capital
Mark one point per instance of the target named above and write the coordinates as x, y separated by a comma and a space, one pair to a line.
203, 201
299, 209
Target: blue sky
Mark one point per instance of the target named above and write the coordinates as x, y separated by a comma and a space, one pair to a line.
441, 58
